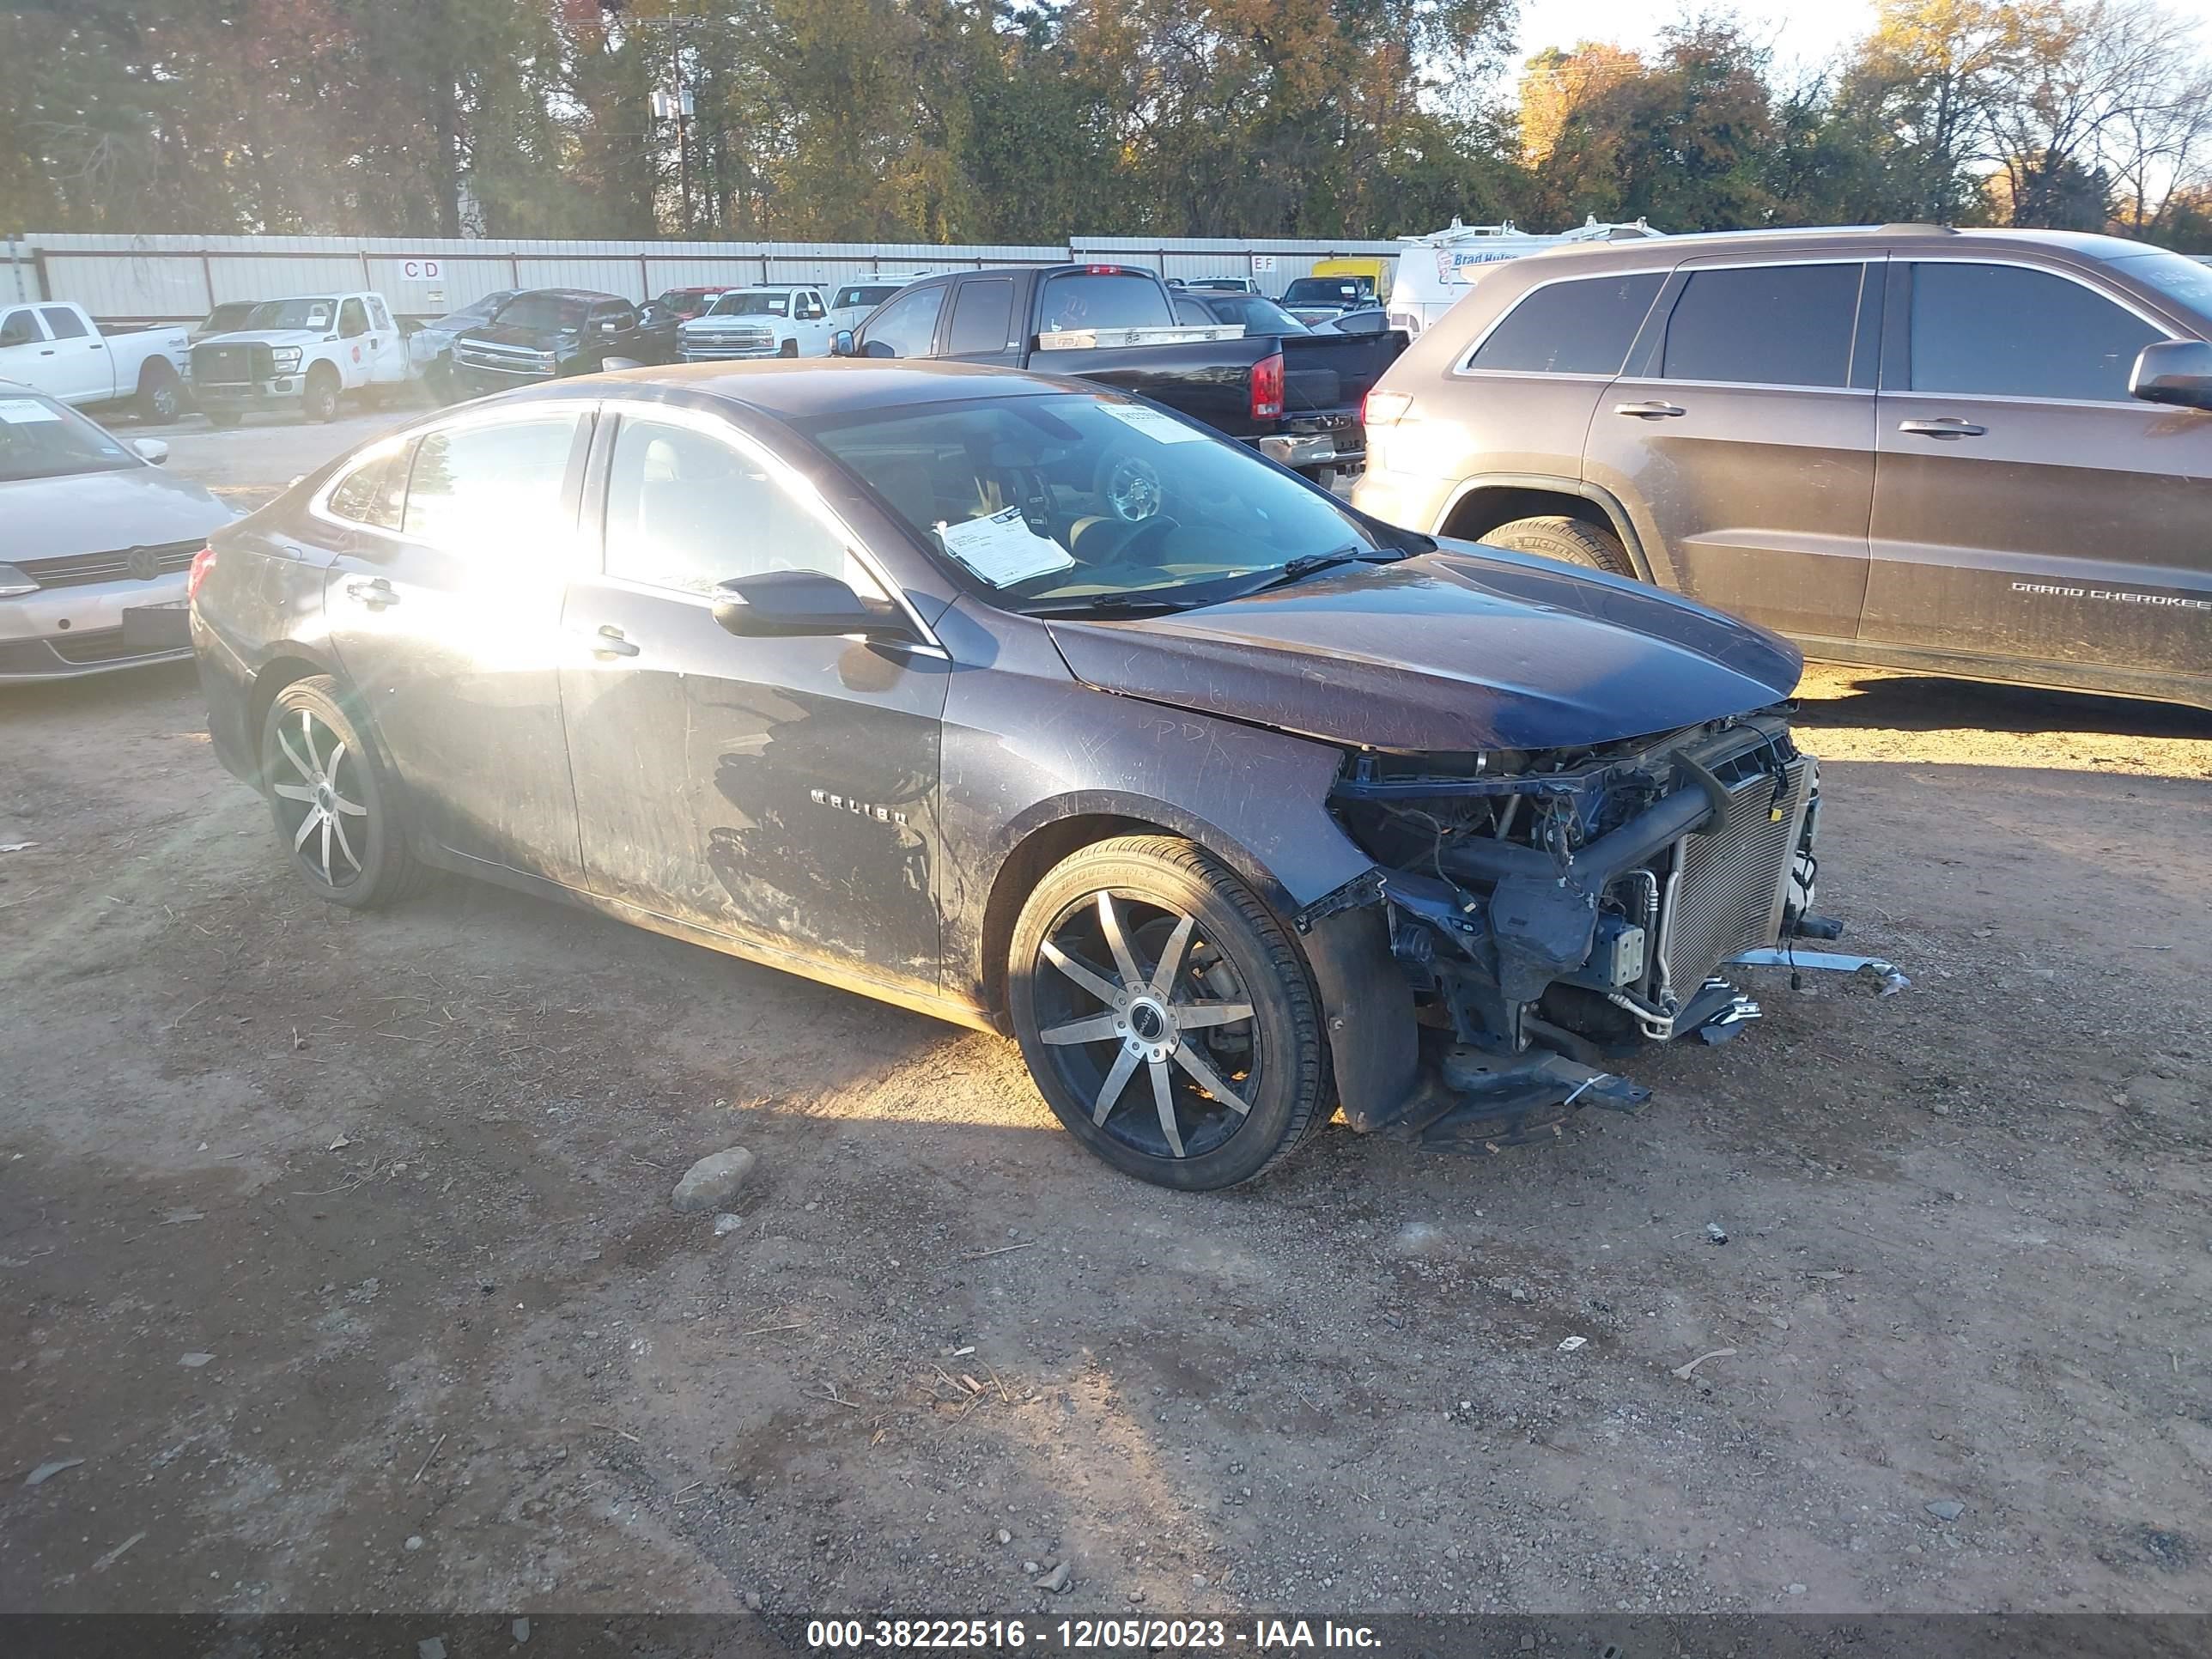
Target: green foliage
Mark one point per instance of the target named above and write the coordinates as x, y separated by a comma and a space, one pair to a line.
1024, 120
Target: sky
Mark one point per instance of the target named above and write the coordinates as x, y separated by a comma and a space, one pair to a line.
1810, 33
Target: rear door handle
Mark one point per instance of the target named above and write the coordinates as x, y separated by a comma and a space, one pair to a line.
608, 641
1946, 428
375, 594
1650, 412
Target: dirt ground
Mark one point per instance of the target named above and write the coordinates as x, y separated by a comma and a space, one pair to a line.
339, 1249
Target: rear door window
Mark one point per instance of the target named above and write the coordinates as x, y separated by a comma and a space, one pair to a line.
1093, 299
20, 327
1765, 325
494, 491
1580, 327
982, 317
2005, 331
375, 492
906, 326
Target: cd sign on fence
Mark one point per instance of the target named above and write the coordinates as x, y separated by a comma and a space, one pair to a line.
420, 271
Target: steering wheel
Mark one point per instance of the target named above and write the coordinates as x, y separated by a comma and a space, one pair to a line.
1129, 486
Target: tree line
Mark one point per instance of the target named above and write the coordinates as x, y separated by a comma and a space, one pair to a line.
1023, 120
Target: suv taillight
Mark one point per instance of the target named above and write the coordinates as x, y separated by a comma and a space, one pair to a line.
1385, 408
202, 561
1268, 388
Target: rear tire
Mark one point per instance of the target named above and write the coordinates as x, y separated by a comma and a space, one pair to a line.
1569, 540
1105, 1044
161, 394
338, 812
319, 401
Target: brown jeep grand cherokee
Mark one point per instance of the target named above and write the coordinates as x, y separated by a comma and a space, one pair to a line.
1983, 453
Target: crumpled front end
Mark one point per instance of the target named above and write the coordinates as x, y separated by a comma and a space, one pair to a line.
1553, 912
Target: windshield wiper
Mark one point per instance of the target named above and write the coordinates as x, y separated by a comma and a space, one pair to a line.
1115, 605
1309, 564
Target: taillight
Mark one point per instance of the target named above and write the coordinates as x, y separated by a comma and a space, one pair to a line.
202, 561
1385, 408
1268, 388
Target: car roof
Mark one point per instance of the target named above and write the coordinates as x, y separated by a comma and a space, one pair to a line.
793, 388
586, 294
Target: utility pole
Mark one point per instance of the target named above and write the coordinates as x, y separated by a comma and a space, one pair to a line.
682, 102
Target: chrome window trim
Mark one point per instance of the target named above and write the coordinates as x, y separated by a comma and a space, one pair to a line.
781, 475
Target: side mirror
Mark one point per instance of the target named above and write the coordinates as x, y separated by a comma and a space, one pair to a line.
788, 604
609, 326
841, 343
152, 451
2173, 372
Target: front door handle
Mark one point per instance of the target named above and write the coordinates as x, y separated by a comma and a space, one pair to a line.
1948, 427
375, 594
1650, 412
608, 641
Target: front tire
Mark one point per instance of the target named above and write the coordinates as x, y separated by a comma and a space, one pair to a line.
161, 394
788, 349
319, 401
336, 809
1166, 1016
1569, 540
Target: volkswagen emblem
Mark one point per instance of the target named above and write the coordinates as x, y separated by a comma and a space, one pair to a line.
145, 563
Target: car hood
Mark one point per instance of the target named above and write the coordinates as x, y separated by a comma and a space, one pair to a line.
102, 511
274, 336
735, 319
1464, 648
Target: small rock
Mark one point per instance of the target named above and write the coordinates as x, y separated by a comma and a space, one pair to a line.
1004, 1537
1528, 1643
1946, 1509
1031, 1568
713, 1181
1793, 1589
45, 1472
725, 1223
193, 1362
1568, 1345
752, 1600
431, 1647
1057, 1579
522, 1628
1198, 1581
1715, 1232
413, 1543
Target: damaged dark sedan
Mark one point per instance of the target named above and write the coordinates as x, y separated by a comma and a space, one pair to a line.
1034, 706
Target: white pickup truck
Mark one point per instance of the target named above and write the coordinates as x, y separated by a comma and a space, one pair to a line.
304, 353
770, 319
55, 346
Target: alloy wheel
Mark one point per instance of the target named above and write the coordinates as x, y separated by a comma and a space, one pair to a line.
1171, 1006
319, 805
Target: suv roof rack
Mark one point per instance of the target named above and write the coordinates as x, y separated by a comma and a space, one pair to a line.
1913, 228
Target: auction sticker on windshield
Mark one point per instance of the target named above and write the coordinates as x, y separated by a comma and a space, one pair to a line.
24, 412
1002, 548
1152, 423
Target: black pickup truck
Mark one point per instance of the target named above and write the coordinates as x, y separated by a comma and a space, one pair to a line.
1295, 397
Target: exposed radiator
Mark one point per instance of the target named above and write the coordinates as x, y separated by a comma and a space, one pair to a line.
1727, 892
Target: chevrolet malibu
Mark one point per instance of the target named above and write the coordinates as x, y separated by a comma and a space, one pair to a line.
1033, 706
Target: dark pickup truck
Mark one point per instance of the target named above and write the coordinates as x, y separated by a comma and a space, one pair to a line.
550, 333
1296, 398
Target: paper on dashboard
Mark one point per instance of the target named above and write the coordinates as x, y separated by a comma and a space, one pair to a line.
1002, 548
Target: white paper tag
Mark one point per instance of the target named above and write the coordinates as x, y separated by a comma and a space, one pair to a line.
1002, 548
1153, 424
23, 411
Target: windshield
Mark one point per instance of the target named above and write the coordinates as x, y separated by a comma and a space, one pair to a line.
2183, 280
39, 439
295, 313
873, 294
1075, 501
541, 314
752, 305
1322, 291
